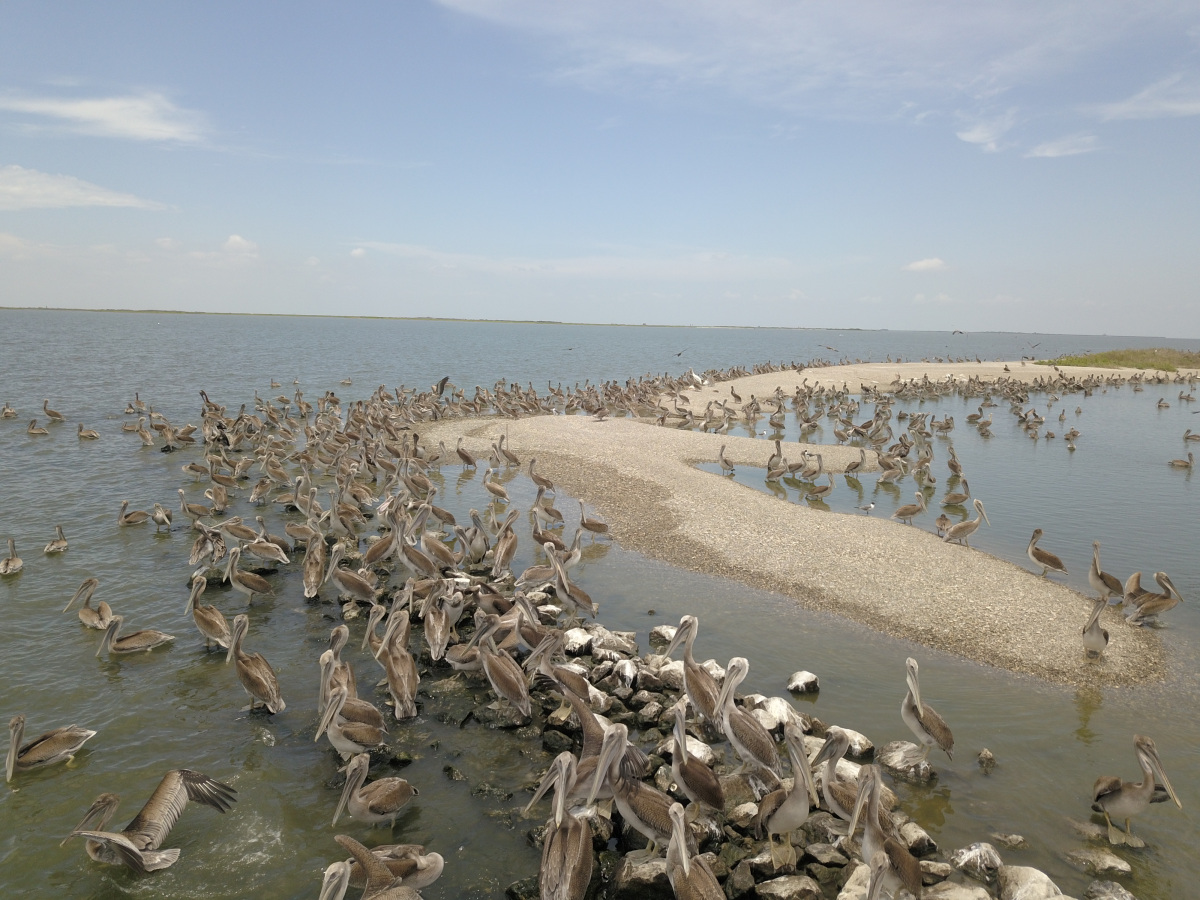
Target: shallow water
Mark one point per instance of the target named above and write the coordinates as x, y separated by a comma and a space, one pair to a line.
180, 706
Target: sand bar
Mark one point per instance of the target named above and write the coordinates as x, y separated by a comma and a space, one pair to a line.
899, 580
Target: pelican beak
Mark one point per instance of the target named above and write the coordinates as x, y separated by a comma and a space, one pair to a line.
609, 749
1156, 764
864, 793
108, 633
551, 778
99, 812
10, 764
983, 513
560, 793
679, 836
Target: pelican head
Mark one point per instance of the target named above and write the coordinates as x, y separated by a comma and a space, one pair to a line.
114, 625
336, 881
356, 774
687, 627
97, 816
1166, 584
241, 624
16, 727
235, 554
735, 674
83, 592
199, 583
979, 508
377, 612
338, 638
337, 699
615, 738
563, 765
679, 836
837, 742
914, 684
866, 779
1148, 756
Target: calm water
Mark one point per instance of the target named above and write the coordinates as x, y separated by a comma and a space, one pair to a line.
180, 707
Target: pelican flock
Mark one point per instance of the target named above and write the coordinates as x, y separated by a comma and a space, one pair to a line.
439, 602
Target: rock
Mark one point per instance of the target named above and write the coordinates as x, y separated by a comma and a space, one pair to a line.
790, 887
1106, 890
642, 879
861, 748
979, 860
1097, 861
453, 773
737, 790
987, 761
647, 680
640, 699
949, 890
603, 654
1010, 841
902, 759
1089, 830
823, 828
525, 889
622, 642
803, 682
600, 827
713, 668
1025, 883
664, 782
856, 885
826, 854
743, 814
600, 672
671, 674
578, 642
505, 717
763, 867
917, 840
935, 872
696, 749
662, 635
555, 742
740, 881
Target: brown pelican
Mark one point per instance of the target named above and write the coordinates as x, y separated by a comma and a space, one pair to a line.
59, 544
942, 523
246, 582
905, 513
752, 743
589, 524
921, 718
700, 686
374, 803
689, 873
643, 807
726, 465
958, 498
964, 530
1043, 558
348, 738
54, 746
136, 517
1175, 463
314, 566
137, 846
1152, 604
840, 795
1095, 638
408, 862
539, 480
92, 618
36, 429
7, 412
161, 517
146, 639
503, 674
1106, 585
12, 563
349, 583
87, 434
209, 620
465, 456
567, 858
381, 884
892, 865
52, 414
781, 811
1126, 799
697, 781
253, 671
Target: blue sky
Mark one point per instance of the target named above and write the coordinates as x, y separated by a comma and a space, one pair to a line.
1017, 166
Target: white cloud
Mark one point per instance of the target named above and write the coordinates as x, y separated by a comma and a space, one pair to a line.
237, 245
933, 264
358, 252
1072, 145
987, 132
166, 243
148, 116
1170, 98
921, 299
22, 188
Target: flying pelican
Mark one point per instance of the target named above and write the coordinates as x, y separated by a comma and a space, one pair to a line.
781, 811
92, 618
1106, 585
905, 513
700, 687
12, 563
892, 865
1043, 558
374, 803
253, 671
751, 741
921, 718
54, 746
963, 530
690, 875
136, 517
246, 582
146, 639
137, 846
1095, 637
59, 544
209, 620
1126, 799
408, 862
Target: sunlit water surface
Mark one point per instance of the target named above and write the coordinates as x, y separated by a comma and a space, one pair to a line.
181, 707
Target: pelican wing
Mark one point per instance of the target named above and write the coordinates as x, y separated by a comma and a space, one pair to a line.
151, 826
125, 849
767, 807
937, 727
387, 795
53, 746
1105, 784
904, 864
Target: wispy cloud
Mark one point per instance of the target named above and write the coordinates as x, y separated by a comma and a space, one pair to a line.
148, 116
1071, 145
1170, 98
22, 188
933, 264
987, 133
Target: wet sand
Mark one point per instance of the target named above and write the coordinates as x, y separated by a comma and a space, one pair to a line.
900, 580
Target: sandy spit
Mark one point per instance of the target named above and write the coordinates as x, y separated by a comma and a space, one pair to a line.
900, 580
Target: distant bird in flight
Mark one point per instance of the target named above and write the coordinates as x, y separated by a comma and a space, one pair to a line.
956, 331
683, 351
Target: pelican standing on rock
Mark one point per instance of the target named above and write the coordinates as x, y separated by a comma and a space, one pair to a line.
1043, 558
921, 718
700, 687
374, 803
892, 865
253, 671
751, 741
1126, 799
782, 812
54, 746
690, 875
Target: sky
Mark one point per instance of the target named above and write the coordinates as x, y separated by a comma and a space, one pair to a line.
902, 164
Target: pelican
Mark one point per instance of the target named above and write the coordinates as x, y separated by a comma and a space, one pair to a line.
589, 524
782, 812
905, 513
381, 884
408, 862
701, 687
136, 517
137, 846
12, 563
1174, 464
892, 865
726, 465
840, 795
87, 434
963, 530
1095, 638
697, 781
348, 738
921, 718
503, 674
689, 873
54, 746
246, 582
35, 429
209, 620
1106, 585
643, 807
752, 743
146, 639
253, 671
161, 517
59, 544
92, 618
465, 456
314, 566
1151, 604
567, 858
958, 498
1043, 558
496, 490
7, 412
347, 582
374, 803
1126, 799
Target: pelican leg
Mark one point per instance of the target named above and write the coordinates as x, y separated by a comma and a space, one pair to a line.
561, 714
650, 852
1130, 840
1115, 835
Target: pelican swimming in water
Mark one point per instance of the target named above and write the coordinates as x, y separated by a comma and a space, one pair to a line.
93, 618
1126, 799
374, 803
921, 718
35, 429
963, 530
135, 517
1095, 637
57, 745
209, 620
87, 434
59, 544
253, 671
146, 639
137, 846
1105, 585
892, 865
1043, 558
52, 414
11, 564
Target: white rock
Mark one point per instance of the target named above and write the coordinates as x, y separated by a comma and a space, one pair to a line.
860, 745
671, 674
948, 890
713, 668
696, 749
742, 814
917, 840
1025, 883
578, 642
804, 682
903, 759
617, 641
980, 860
1107, 890
1097, 861
662, 635
789, 887
856, 885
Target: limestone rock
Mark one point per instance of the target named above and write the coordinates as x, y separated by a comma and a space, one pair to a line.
949, 890
826, 854
1097, 861
740, 881
1025, 883
804, 682
935, 872
987, 761
696, 749
713, 668
671, 674
902, 759
979, 860
790, 887
662, 635
856, 885
1106, 890
861, 748
642, 879
743, 814
917, 839
622, 642
578, 642
823, 828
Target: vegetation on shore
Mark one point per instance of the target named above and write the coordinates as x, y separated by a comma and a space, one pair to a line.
1164, 359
